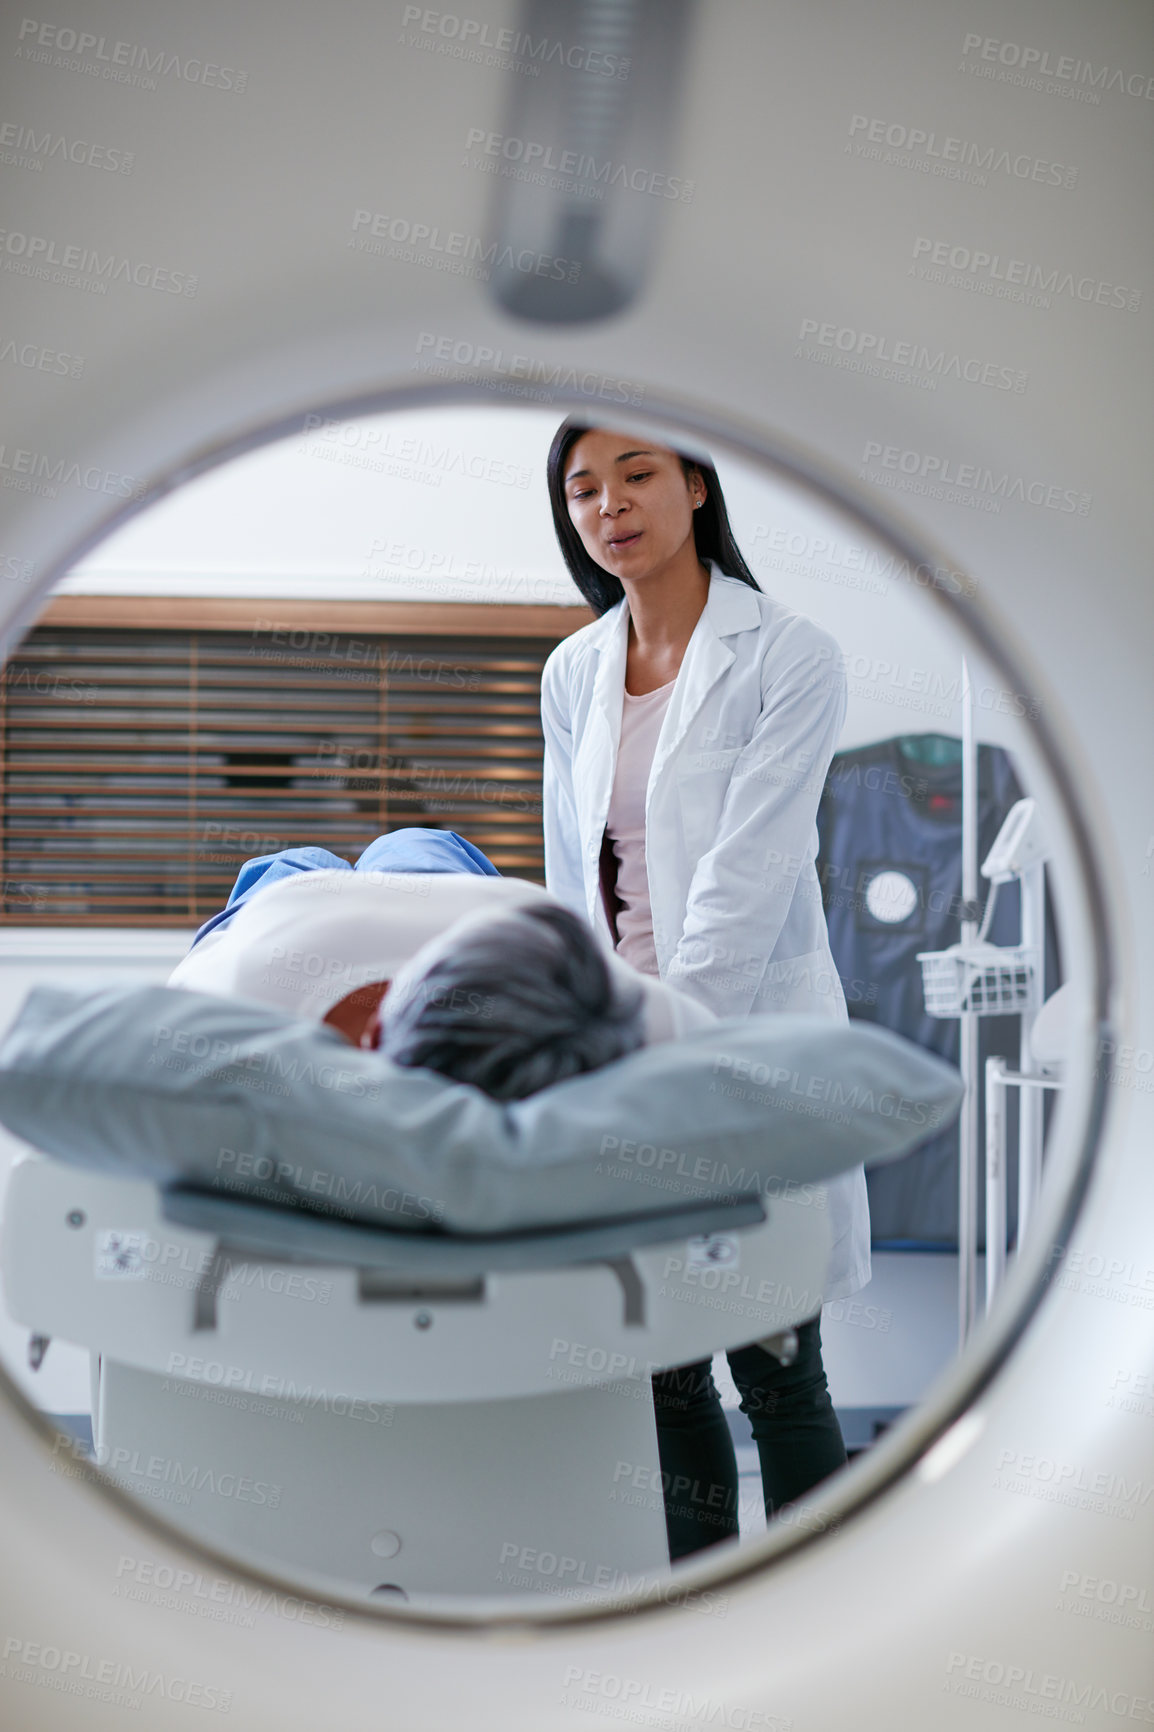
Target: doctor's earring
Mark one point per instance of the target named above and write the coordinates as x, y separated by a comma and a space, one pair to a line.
697, 504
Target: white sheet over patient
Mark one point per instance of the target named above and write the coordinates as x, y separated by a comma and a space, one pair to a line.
306, 942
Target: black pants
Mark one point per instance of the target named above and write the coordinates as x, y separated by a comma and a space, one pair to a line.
794, 1425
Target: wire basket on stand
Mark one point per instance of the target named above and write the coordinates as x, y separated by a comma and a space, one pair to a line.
985, 979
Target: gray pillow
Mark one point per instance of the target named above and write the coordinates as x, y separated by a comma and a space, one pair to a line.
236, 1096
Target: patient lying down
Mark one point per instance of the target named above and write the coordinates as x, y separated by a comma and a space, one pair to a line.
509, 1004
489, 980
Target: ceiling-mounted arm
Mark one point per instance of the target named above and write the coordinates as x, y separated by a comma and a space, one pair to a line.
585, 164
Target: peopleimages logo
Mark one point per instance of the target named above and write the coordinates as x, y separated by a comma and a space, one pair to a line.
121, 1683
574, 170
162, 1476
1017, 63
43, 472
645, 1702
33, 255
483, 43
941, 477
940, 154
394, 237
123, 62
371, 446
1048, 1694
1105, 1600
456, 357
38, 358
24, 147
189, 1590
1099, 1491
1014, 279
893, 354
876, 567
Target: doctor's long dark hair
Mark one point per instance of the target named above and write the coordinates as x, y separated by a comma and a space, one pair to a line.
711, 532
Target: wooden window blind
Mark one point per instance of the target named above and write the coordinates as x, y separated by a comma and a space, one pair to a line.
139, 768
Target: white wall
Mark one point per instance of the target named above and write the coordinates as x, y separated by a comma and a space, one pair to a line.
450, 505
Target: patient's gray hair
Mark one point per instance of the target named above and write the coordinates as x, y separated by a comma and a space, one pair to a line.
521, 1001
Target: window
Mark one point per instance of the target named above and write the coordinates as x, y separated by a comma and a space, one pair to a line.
141, 766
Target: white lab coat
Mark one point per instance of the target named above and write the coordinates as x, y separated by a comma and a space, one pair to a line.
730, 819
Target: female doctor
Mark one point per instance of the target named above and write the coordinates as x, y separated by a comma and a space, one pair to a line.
688, 732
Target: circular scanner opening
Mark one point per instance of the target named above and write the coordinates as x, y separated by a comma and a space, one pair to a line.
402, 521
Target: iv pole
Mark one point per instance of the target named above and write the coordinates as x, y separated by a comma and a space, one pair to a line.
968, 1031
973, 978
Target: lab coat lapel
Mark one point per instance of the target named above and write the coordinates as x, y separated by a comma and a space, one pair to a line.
707, 656
731, 609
